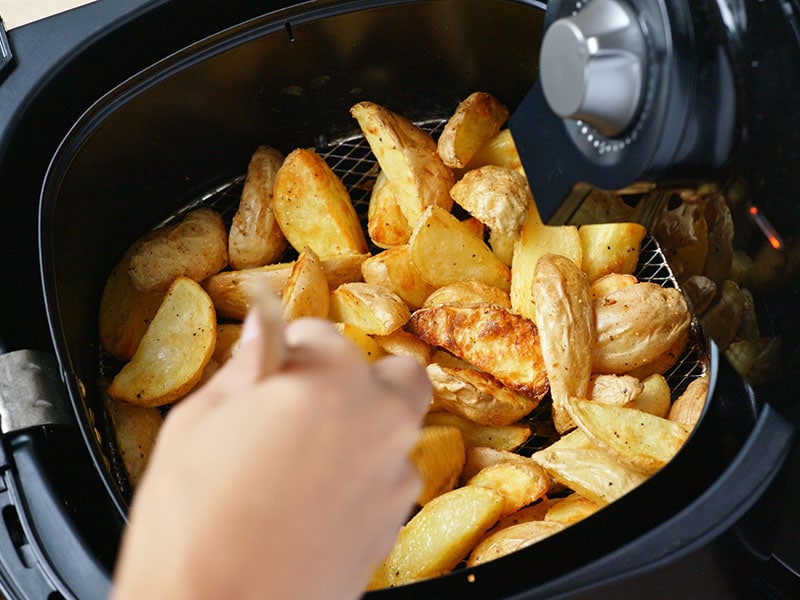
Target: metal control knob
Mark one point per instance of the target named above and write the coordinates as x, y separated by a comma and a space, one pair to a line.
592, 66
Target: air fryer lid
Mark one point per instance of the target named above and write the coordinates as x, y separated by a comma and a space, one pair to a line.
181, 128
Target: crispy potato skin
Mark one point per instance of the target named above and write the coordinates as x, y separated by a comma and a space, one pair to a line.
490, 338
496, 196
476, 120
196, 248
387, 226
255, 238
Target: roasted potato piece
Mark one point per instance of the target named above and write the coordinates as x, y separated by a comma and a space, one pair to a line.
438, 455
255, 239
520, 483
467, 293
503, 246
636, 325
174, 350
372, 308
610, 248
507, 437
475, 227
135, 431
196, 247
229, 289
500, 150
306, 292
403, 343
618, 390
590, 472
566, 331
533, 512
571, 509
509, 539
489, 337
536, 240
313, 208
654, 397
394, 269
688, 407
498, 197
372, 350
408, 157
125, 312
477, 396
607, 284
387, 226
480, 457
637, 439
439, 536
476, 120
445, 251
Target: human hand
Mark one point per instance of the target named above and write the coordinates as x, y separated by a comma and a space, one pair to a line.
278, 485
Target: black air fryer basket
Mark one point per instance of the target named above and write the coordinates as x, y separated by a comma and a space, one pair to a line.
131, 126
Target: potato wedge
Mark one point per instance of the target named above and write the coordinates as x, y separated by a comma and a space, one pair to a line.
255, 239
536, 240
503, 246
477, 396
480, 457
135, 431
489, 337
507, 437
520, 483
467, 293
636, 439
403, 343
408, 156
688, 407
509, 539
590, 472
533, 512
306, 292
313, 208
605, 285
610, 248
174, 350
439, 536
618, 390
372, 308
387, 226
371, 349
438, 455
636, 325
125, 312
445, 251
196, 247
654, 398
566, 331
571, 509
476, 120
500, 150
394, 269
496, 196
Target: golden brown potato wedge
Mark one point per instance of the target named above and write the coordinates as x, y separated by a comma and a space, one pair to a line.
135, 431
477, 396
503, 246
655, 396
480, 457
688, 407
445, 251
489, 337
196, 247
438, 455
125, 312
507, 437
520, 483
509, 539
534, 512
566, 331
498, 197
255, 239
500, 150
605, 285
387, 226
306, 292
636, 325
467, 293
403, 343
174, 350
571, 509
536, 240
636, 439
394, 269
476, 120
313, 208
439, 536
371, 349
408, 156
372, 308
475, 227
610, 248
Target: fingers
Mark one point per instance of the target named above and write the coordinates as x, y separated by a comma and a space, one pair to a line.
406, 377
